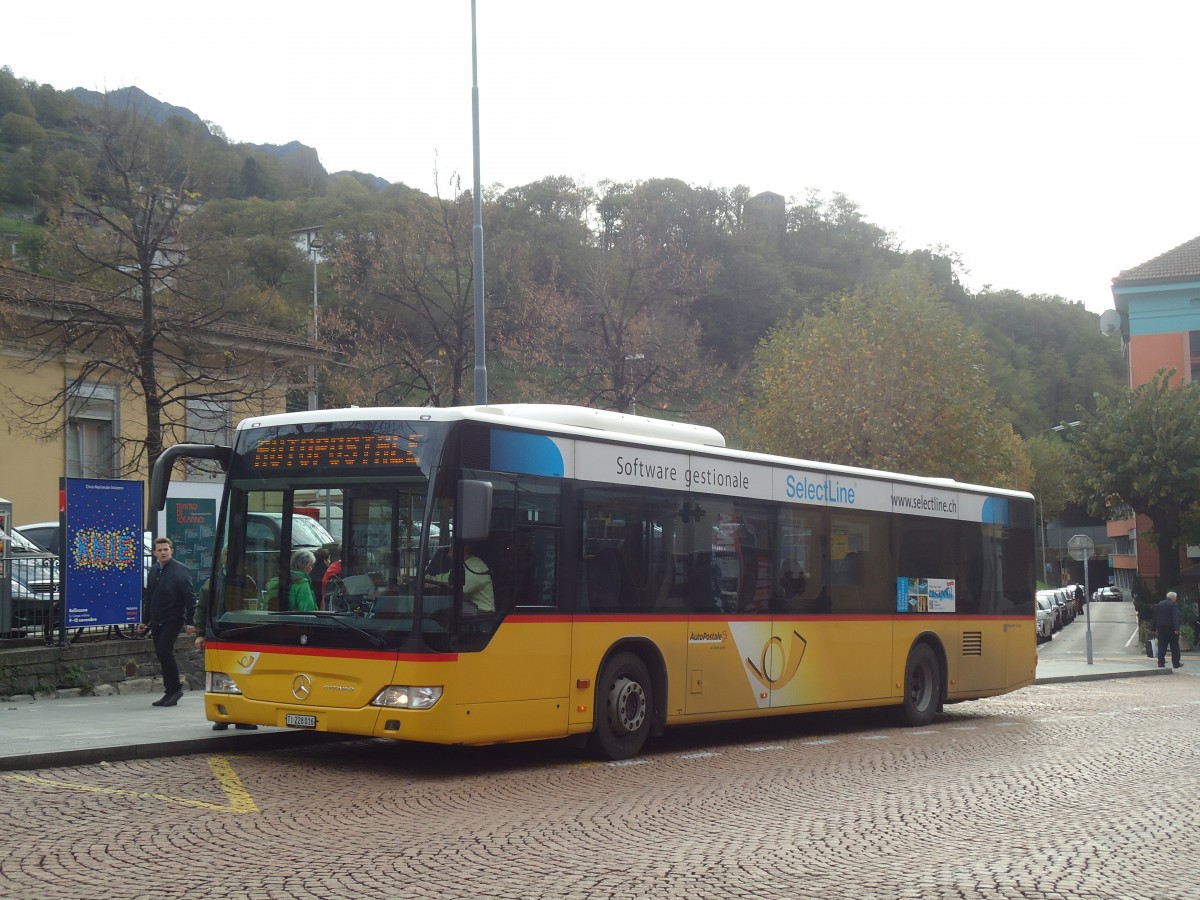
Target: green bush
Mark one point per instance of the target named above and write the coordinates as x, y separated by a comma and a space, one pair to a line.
17, 130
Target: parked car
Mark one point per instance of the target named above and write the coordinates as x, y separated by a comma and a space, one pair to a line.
1108, 595
1051, 598
45, 534
31, 608
1045, 618
33, 565
21, 594
1065, 599
263, 531
33, 574
1067, 596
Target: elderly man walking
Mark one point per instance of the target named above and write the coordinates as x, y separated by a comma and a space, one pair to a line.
1166, 623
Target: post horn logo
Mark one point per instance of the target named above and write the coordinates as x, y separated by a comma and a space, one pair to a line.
778, 664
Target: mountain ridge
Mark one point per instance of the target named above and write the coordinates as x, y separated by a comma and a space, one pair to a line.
159, 111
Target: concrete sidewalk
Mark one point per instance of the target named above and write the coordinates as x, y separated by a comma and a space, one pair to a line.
1051, 671
78, 730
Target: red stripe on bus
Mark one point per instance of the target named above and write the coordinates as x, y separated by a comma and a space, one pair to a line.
762, 617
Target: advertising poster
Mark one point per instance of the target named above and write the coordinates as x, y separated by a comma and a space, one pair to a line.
192, 526
940, 593
103, 552
925, 595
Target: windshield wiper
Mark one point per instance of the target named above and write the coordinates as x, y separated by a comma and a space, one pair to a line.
336, 617
375, 639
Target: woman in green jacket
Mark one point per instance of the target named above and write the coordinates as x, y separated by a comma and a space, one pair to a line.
300, 592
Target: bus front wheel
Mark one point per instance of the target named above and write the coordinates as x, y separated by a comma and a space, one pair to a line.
624, 701
922, 686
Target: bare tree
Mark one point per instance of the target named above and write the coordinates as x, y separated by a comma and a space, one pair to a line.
410, 335
140, 324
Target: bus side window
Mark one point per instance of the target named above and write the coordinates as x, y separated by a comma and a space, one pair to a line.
860, 576
536, 567
602, 573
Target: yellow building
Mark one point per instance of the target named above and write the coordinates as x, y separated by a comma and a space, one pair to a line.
71, 396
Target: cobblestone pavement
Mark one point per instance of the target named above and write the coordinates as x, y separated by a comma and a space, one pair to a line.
1077, 790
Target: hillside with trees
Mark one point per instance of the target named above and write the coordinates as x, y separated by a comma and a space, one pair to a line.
694, 302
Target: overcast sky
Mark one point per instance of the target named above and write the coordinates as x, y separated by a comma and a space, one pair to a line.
1050, 144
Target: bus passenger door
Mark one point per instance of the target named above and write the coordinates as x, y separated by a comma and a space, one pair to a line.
729, 578
513, 665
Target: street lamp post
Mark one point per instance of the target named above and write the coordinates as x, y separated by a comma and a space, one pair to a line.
1042, 516
481, 380
315, 246
1081, 547
632, 358
1042, 534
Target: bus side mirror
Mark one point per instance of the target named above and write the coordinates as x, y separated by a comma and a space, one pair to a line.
474, 510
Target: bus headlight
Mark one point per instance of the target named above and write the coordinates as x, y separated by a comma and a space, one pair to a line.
403, 696
220, 683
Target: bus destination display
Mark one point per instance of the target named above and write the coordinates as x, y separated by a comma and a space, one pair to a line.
349, 451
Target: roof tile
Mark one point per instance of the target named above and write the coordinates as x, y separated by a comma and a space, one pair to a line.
1181, 262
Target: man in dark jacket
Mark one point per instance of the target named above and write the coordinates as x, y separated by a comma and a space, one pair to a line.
1166, 623
168, 606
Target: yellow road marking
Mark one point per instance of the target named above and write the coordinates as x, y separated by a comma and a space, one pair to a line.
240, 800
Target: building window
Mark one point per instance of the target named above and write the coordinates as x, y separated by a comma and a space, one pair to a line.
208, 422
92, 431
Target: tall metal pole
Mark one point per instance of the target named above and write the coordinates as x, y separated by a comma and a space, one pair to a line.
1045, 576
477, 232
1080, 547
312, 367
1087, 605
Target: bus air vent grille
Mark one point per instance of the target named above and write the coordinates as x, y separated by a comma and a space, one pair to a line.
972, 643
476, 447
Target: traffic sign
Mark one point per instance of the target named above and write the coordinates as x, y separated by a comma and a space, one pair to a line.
1081, 547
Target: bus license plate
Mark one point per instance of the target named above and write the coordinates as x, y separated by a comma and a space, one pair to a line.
293, 721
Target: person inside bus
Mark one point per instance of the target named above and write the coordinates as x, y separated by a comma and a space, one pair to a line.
332, 574
317, 575
300, 592
793, 586
476, 581
240, 591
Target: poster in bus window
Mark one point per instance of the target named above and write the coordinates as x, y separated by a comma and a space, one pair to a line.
925, 595
940, 594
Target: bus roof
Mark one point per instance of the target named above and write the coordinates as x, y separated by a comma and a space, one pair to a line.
583, 422
530, 414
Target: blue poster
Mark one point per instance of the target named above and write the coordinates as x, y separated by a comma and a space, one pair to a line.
103, 552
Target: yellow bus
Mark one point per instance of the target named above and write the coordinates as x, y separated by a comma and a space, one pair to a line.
529, 572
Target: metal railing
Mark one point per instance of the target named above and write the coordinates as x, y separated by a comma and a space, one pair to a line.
36, 610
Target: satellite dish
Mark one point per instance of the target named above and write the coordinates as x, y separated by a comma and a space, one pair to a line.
1110, 322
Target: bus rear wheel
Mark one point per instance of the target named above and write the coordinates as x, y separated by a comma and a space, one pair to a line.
922, 686
624, 701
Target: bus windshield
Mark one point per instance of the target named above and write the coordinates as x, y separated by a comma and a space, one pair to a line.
323, 534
